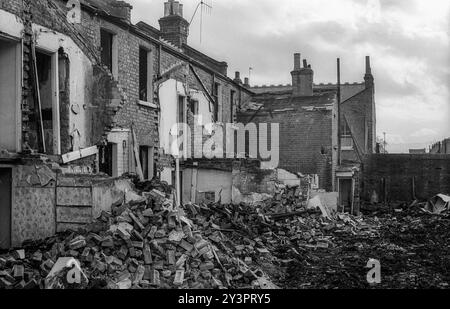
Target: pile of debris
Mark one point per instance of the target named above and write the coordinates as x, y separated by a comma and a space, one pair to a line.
144, 243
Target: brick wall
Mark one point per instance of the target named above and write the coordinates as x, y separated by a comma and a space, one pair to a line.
143, 118
249, 178
359, 112
123, 88
431, 174
305, 141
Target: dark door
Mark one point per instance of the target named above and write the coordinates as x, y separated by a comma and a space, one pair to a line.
106, 159
5, 208
345, 193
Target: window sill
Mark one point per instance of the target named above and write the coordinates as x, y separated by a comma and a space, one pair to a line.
147, 104
348, 148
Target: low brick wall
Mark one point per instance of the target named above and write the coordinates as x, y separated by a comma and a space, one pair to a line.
396, 176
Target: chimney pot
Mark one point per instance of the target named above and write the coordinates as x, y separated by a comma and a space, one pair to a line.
305, 63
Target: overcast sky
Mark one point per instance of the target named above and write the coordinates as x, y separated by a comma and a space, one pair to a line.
408, 41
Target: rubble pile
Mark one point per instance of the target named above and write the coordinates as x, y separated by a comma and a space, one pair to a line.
301, 248
145, 243
413, 248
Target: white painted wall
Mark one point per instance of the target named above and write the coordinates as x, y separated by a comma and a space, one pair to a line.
168, 96
11, 82
121, 157
203, 106
80, 81
219, 182
166, 175
11, 24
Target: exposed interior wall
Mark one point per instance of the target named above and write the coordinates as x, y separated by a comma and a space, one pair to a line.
33, 207
395, 177
307, 135
168, 98
214, 181
80, 86
250, 182
287, 178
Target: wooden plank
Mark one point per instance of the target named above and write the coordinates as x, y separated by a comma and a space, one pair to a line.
79, 154
73, 196
194, 186
82, 215
136, 156
62, 227
209, 96
37, 99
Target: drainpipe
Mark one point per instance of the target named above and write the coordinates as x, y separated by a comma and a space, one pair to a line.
339, 109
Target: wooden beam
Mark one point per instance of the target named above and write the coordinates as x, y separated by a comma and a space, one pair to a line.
209, 96
79, 154
136, 156
37, 100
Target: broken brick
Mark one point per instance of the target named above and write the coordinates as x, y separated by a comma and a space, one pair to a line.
179, 278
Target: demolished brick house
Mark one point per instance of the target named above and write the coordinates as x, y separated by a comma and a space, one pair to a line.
442, 147
308, 118
84, 102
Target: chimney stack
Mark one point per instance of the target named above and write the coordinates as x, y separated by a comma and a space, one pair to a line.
174, 28
297, 61
237, 77
368, 78
302, 78
120, 9
247, 82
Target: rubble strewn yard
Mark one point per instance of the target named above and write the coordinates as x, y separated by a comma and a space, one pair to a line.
146, 242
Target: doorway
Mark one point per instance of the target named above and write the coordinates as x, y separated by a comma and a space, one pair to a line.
5, 207
106, 159
345, 194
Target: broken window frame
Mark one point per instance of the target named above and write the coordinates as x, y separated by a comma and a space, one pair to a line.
114, 51
148, 101
18, 89
194, 107
346, 137
53, 54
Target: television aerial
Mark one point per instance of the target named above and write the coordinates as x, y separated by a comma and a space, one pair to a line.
205, 6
